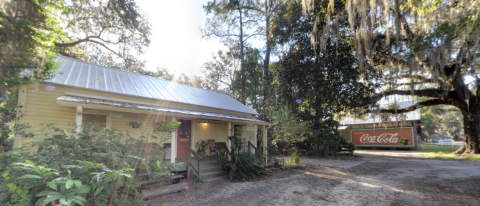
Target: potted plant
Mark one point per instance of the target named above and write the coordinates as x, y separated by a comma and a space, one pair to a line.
134, 123
202, 145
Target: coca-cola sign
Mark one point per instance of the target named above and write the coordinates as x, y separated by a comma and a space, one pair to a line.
386, 137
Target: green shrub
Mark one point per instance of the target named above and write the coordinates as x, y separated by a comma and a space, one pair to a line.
295, 158
247, 166
98, 162
328, 142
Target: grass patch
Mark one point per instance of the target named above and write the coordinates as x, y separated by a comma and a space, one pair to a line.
444, 155
436, 148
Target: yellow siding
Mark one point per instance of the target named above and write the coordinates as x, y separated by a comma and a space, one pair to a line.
147, 125
40, 108
206, 131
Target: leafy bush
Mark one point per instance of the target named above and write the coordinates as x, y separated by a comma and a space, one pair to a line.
247, 166
347, 145
96, 165
295, 158
41, 185
328, 142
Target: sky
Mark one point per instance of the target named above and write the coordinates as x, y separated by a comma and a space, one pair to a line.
176, 40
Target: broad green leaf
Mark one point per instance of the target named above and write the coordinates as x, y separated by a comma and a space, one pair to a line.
80, 198
18, 190
11, 186
66, 133
77, 183
77, 201
52, 185
30, 177
68, 184
50, 199
40, 202
98, 190
48, 193
63, 202
84, 189
5, 174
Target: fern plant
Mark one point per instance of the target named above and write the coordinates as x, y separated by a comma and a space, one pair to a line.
247, 166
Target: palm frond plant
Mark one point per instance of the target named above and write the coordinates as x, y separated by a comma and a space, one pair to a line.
202, 146
247, 166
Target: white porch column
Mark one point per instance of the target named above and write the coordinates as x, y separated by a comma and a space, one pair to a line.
108, 124
254, 140
229, 142
192, 129
173, 154
78, 119
244, 135
265, 141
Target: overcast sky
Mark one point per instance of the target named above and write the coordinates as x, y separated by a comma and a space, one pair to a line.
176, 40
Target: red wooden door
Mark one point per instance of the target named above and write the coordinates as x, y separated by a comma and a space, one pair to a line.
184, 137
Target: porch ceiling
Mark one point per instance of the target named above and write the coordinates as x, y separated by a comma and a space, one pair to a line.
70, 100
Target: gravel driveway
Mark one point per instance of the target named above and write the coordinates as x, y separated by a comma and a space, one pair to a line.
375, 178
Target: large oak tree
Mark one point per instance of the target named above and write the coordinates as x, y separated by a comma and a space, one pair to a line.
426, 49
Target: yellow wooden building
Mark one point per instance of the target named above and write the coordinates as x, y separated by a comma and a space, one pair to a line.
81, 92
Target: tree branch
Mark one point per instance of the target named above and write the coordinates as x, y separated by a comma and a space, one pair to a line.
435, 93
251, 8
425, 103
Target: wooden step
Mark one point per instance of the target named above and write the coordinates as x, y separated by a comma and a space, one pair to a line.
206, 168
213, 174
216, 178
147, 194
153, 181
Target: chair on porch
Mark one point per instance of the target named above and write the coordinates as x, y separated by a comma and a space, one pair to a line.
212, 146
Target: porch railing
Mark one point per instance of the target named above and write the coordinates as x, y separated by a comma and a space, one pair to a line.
227, 152
253, 146
189, 164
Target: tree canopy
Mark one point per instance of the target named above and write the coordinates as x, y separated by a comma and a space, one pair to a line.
105, 32
318, 86
425, 49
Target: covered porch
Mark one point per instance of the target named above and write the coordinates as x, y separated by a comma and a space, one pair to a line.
196, 125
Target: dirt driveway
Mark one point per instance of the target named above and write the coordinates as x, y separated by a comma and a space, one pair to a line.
375, 178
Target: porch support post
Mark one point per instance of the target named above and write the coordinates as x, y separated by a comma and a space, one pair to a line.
173, 154
192, 129
265, 142
254, 140
229, 142
109, 121
78, 119
244, 135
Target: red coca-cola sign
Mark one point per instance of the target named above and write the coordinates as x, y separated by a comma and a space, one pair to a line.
383, 137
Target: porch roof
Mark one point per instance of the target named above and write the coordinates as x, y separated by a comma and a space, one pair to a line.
98, 103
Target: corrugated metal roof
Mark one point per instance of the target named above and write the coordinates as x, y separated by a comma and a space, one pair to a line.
129, 105
375, 118
77, 73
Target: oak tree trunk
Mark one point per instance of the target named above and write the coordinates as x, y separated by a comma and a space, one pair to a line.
471, 126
